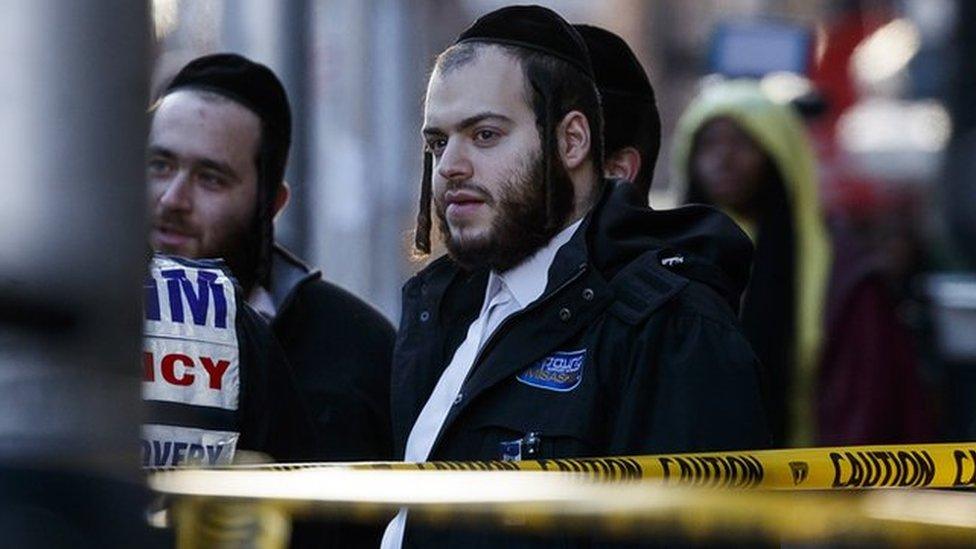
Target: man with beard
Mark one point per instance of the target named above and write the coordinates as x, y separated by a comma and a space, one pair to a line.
217, 150
632, 125
218, 146
561, 323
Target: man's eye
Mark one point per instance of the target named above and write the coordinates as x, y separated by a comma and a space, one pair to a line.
211, 179
156, 166
485, 136
436, 146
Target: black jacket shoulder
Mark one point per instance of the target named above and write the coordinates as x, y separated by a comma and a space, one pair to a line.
273, 416
340, 348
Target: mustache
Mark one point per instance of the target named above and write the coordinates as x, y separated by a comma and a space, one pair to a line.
174, 223
474, 188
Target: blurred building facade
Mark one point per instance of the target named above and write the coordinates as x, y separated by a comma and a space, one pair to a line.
356, 72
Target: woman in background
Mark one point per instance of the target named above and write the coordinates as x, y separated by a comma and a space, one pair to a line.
840, 368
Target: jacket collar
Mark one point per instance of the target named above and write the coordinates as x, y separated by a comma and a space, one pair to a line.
528, 280
631, 264
696, 242
288, 274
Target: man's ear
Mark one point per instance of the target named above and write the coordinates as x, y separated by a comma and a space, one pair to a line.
624, 164
281, 199
573, 133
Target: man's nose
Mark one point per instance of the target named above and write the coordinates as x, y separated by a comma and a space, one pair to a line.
454, 164
177, 195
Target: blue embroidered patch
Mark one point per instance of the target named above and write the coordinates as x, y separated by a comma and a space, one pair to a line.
511, 450
561, 371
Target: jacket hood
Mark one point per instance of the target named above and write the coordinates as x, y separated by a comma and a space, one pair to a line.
774, 127
697, 242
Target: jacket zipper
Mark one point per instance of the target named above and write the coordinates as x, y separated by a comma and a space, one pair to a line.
493, 338
498, 333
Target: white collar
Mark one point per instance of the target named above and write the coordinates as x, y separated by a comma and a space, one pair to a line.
527, 280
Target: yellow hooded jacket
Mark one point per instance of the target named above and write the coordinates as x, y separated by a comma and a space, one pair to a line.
778, 130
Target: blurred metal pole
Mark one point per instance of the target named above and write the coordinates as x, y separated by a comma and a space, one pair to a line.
370, 68
72, 117
959, 207
959, 185
276, 34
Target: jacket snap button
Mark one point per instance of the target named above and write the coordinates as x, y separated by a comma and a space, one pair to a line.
424, 316
457, 399
564, 314
588, 294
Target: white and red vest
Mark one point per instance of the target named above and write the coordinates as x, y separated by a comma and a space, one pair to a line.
191, 364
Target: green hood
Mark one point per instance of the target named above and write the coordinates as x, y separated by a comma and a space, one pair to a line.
780, 132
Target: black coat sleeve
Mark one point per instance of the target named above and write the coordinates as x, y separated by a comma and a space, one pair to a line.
693, 385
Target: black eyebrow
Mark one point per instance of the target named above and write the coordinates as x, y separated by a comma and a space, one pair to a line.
468, 122
218, 166
156, 150
206, 163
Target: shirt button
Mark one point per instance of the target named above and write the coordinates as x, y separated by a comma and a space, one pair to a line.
457, 399
564, 314
588, 294
424, 316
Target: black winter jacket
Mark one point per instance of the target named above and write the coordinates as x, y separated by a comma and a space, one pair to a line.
646, 298
340, 349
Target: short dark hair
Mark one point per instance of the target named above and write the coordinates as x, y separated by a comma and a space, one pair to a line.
554, 88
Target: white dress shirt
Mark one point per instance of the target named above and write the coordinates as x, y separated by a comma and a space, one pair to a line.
506, 294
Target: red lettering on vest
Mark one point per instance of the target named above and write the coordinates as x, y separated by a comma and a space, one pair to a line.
216, 371
148, 367
167, 368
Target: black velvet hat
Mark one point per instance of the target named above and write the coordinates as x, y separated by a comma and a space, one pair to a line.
532, 27
626, 94
248, 83
615, 66
256, 87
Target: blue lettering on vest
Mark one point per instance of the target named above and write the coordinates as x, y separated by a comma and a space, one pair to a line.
164, 454
178, 449
151, 299
213, 453
199, 299
160, 453
195, 454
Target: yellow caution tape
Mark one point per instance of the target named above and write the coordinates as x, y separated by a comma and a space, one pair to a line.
558, 503
950, 465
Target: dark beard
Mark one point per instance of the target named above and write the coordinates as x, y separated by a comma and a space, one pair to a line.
240, 251
243, 256
519, 228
